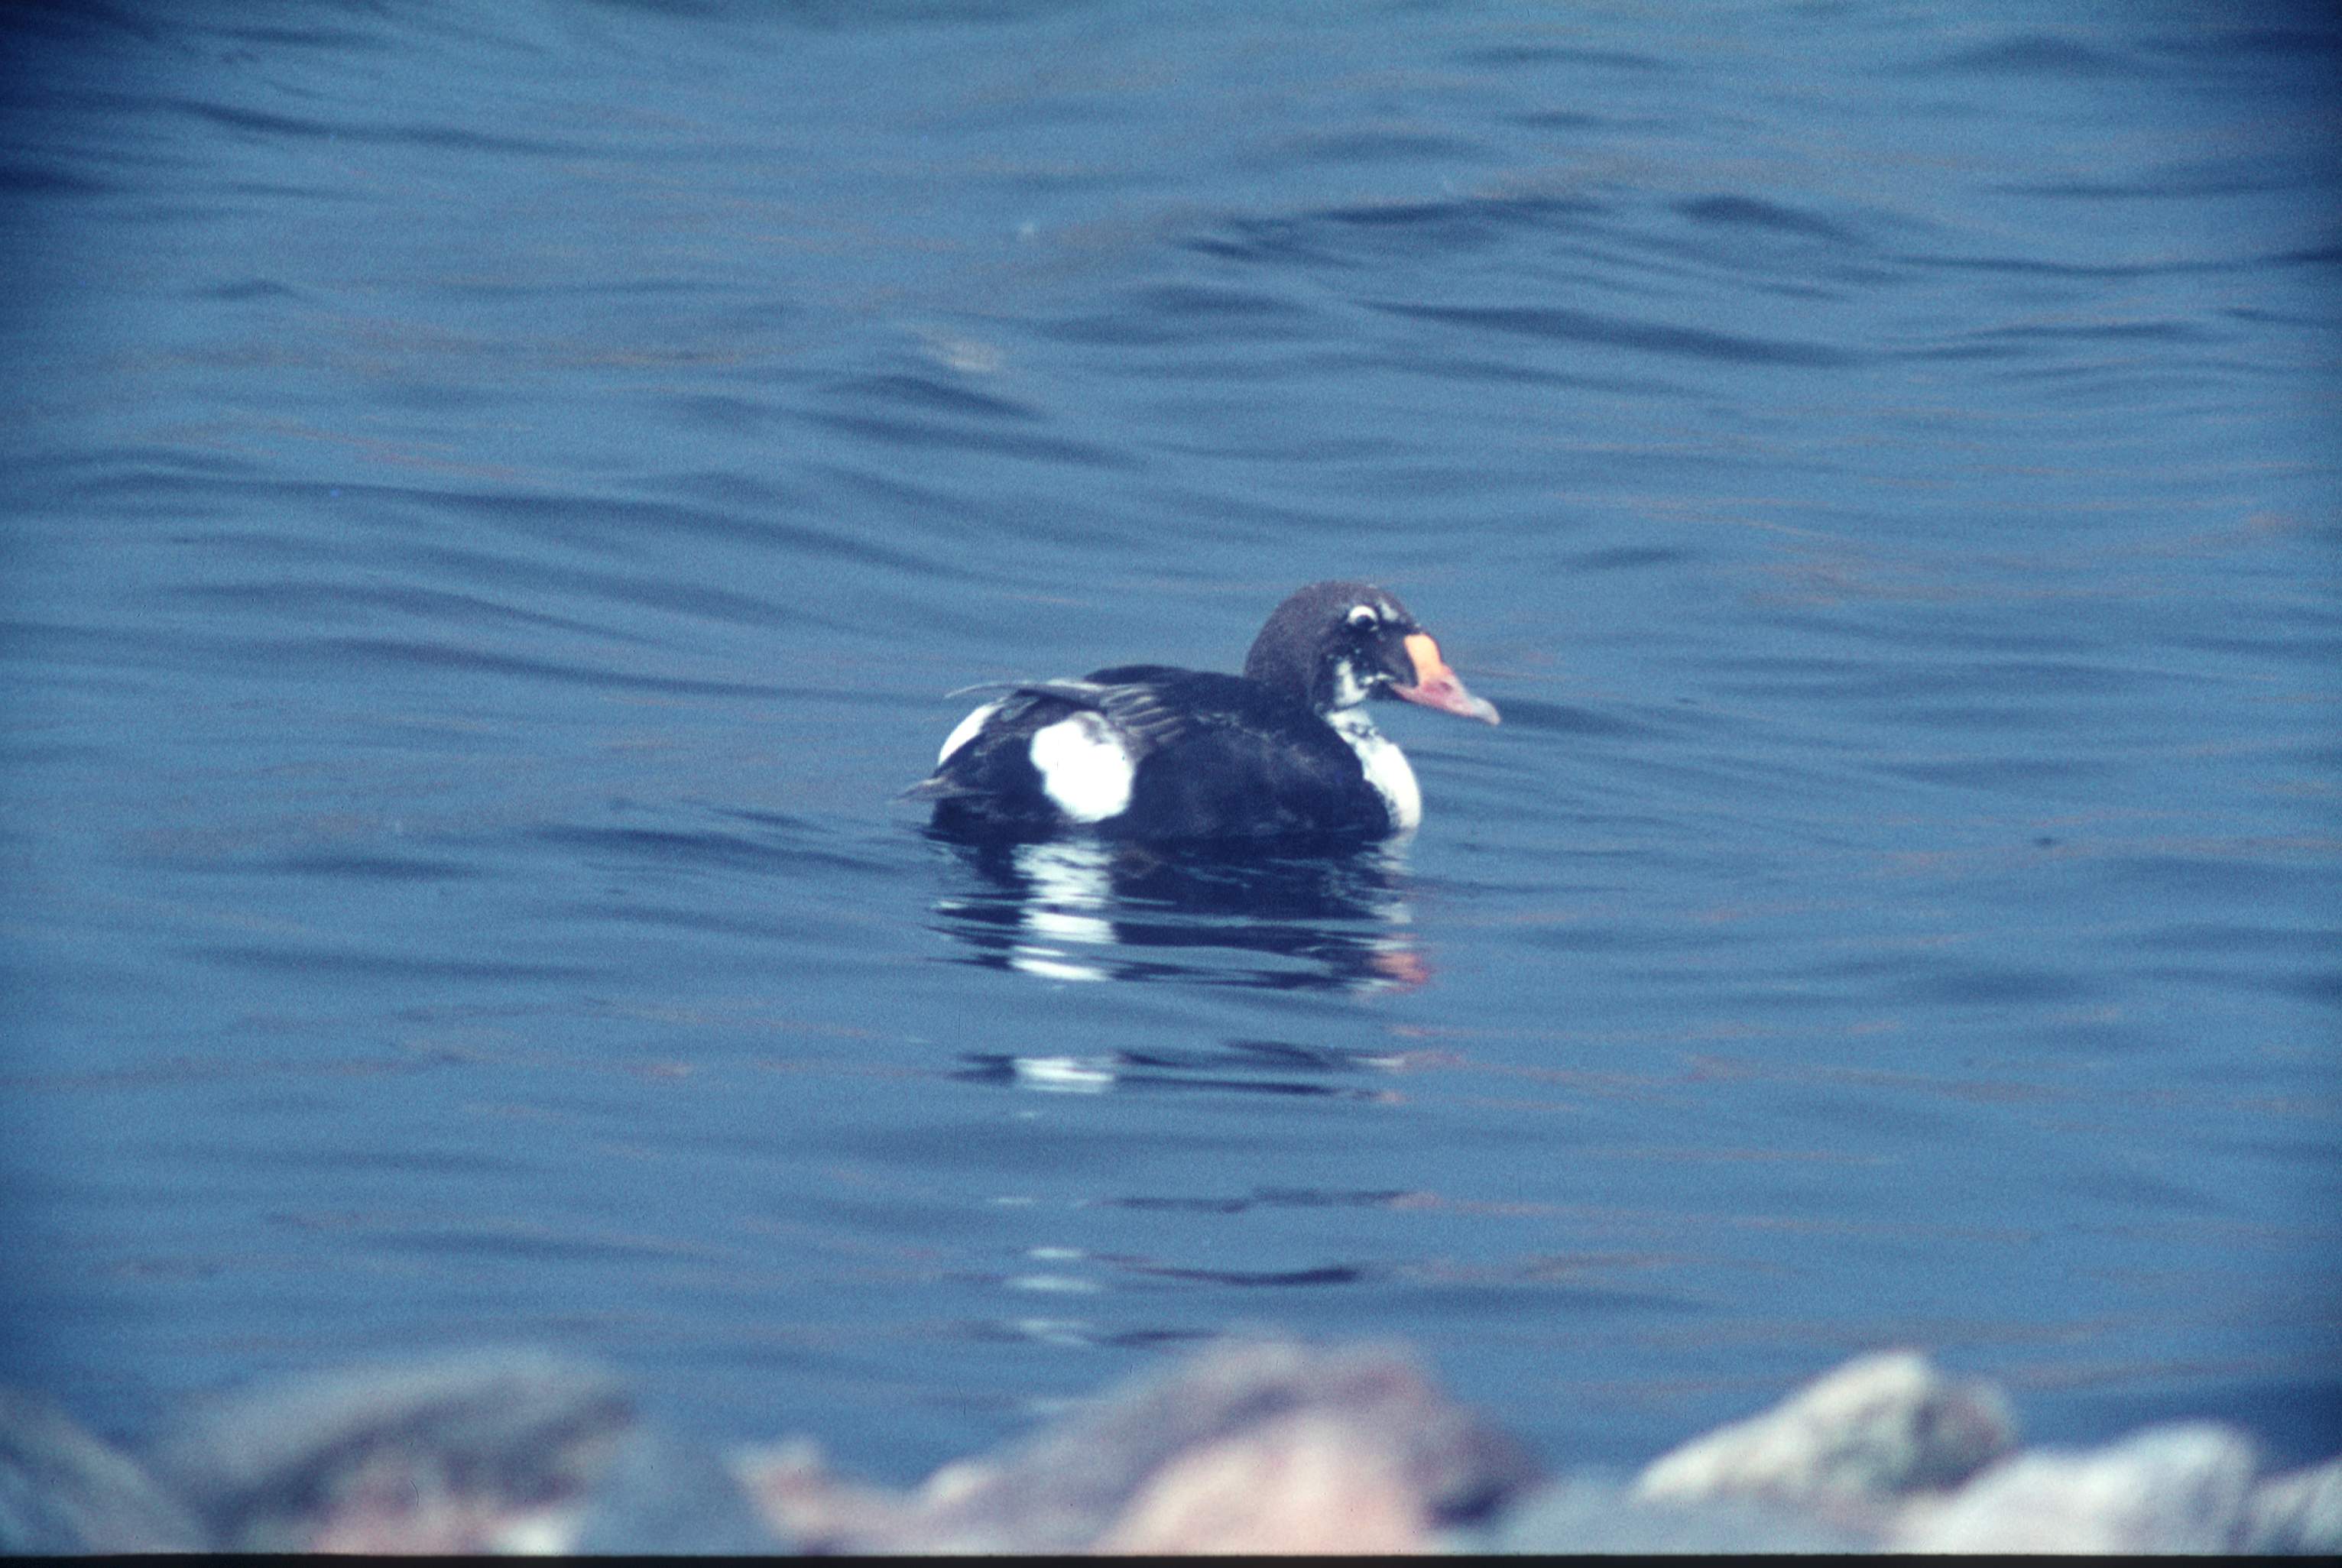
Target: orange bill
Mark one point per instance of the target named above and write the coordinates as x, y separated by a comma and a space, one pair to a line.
1437, 686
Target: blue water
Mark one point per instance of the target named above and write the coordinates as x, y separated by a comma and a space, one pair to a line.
498, 498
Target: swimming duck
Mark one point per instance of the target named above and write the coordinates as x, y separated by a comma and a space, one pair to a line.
1154, 753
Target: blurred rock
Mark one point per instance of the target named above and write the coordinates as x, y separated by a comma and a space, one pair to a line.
1310, 1482
1581, 1515
64, 1491
2170, 1489
801, 1500
664, 1495
2299, 1513
1249, 1446
1257, 1446
1852, 1445
462, 1453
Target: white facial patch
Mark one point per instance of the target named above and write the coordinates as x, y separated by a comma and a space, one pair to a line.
1085, 767
1348, 690
1386, 767
965, 732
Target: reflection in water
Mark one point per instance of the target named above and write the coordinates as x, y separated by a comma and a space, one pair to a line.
1259, 1066
1089, 911
1071, 1273
1078, 910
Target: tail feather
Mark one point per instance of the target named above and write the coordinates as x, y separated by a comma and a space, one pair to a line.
937, 786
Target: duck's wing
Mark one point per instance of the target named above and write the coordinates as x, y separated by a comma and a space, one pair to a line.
1148, 705
1143, 703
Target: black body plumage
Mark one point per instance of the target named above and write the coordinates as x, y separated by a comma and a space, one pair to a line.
1154, 753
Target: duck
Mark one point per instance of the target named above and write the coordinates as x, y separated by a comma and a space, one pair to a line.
1154, 754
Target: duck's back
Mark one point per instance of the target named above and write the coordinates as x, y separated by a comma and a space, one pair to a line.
1150, 751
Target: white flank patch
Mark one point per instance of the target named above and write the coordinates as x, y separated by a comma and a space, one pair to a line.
1386, 765
965, 732
1085, 767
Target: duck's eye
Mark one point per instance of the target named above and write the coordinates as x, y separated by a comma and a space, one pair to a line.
1364, 615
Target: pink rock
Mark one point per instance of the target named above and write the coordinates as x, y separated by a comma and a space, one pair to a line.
1249, 1446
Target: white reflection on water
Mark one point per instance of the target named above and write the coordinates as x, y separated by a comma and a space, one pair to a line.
1080, 909
1071, 888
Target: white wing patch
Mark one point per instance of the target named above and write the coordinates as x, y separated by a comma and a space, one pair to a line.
1386, 767
965, 732
1085, 767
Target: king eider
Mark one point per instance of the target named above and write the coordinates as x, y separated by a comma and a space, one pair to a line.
1152, 753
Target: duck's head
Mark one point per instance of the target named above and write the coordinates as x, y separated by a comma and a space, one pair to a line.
1337, 644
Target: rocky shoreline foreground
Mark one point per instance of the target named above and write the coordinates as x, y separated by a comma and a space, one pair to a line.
1255, 1445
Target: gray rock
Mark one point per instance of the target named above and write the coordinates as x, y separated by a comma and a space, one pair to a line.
1851, 1445
664, 1496
2299, 1513
1260, 1446
444, 1454
64, 1491
1581, 1515
2170, 1489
